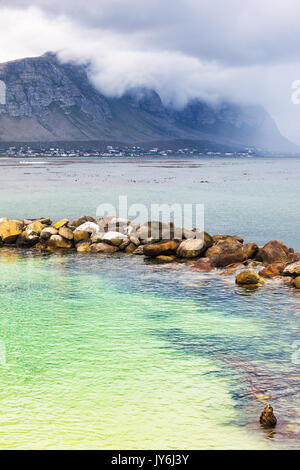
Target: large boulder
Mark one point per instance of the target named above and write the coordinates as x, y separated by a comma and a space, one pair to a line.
273, 252
165, 247
224, 247
249, 277
114, 238
191, 248
292, 269
10, 230
222, 261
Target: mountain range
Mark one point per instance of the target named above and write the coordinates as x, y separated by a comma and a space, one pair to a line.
47, 100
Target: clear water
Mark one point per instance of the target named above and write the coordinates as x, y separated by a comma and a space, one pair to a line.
115, 352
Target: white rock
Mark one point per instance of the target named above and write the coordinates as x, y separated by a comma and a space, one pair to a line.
114, 238
89, 227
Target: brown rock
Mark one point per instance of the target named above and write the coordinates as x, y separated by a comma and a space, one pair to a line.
166, 259
57, 241
292, 269
83, 246
250, 250
272, 270
296, 282
267, 418
86, 218
203, 264
35, 227
165, 247
102, 248
227, 260
47, 232
248, 277
27, 239
81, 235
217, 238
66, 232
273, 252
10, 230
139, 250
61, 223
130, 248
224, 247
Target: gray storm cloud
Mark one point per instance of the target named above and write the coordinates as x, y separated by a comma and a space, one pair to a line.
244, 51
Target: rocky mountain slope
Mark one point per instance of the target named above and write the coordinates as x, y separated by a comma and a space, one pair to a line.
50, 101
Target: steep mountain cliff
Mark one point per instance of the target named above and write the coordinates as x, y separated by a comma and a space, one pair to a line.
46, 100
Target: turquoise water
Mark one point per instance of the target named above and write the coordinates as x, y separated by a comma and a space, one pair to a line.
115, 352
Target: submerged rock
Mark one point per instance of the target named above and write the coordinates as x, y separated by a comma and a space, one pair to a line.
267, 418
102, 248
83, 246
272, 270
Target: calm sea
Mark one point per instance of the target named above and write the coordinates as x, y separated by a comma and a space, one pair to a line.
117, 352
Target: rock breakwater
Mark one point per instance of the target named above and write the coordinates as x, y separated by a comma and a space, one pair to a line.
161, 242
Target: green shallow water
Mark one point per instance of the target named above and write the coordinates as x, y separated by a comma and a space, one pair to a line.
92, 363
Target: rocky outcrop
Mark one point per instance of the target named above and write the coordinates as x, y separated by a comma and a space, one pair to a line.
200, 251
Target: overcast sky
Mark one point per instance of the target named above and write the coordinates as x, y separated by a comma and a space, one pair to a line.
243, 50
